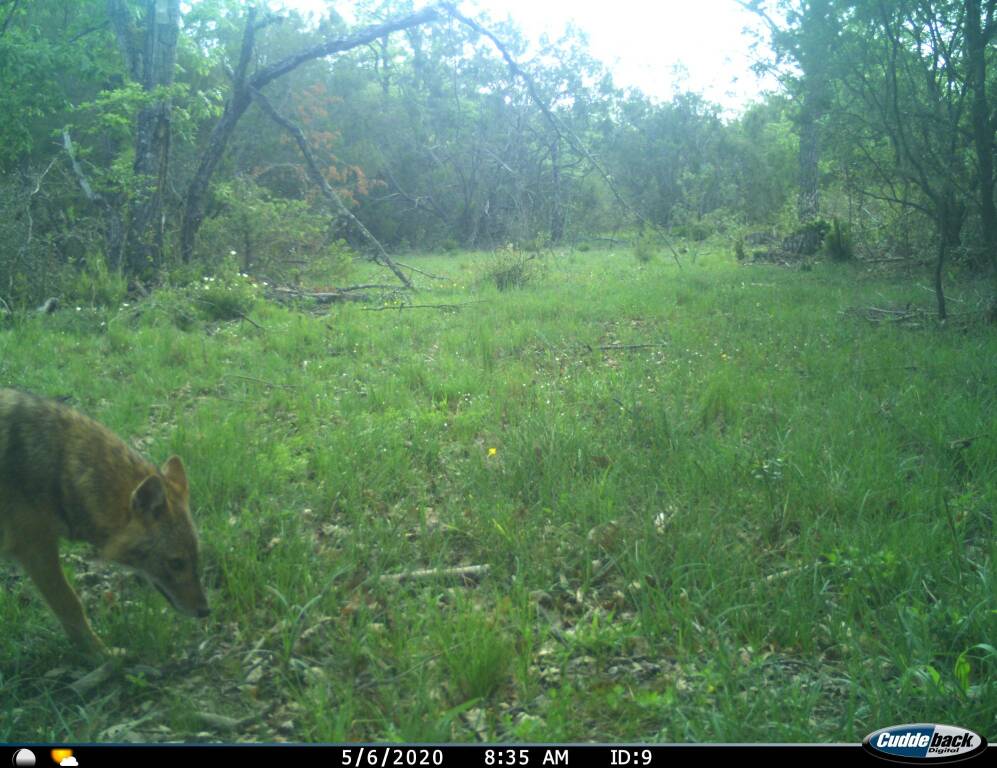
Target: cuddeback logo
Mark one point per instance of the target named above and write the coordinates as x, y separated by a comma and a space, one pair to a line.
923, 742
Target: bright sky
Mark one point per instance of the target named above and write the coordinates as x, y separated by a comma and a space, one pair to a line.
659, 46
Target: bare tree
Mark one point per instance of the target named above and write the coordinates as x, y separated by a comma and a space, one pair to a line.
245, 84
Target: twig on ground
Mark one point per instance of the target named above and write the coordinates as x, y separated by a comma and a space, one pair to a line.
779, 576
96, 677
444, 307
226, 723
250, 321
463, 571
616, 347
350, 288
259, 381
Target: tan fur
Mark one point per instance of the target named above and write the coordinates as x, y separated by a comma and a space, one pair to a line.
63, 475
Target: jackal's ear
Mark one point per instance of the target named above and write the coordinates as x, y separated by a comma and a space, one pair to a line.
149, 499
174, 472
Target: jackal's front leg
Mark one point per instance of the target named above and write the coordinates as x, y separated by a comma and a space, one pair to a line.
41, 561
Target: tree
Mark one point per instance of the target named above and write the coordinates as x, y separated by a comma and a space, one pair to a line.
241, 96
149, 48
806, 41
910, 88
980, 30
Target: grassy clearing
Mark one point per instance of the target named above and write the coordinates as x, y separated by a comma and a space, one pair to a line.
756, 529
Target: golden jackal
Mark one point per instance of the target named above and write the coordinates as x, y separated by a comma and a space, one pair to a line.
64, 475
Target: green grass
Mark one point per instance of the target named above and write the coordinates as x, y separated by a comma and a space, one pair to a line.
756, 529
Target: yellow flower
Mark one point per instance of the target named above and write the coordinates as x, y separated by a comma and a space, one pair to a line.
492, 451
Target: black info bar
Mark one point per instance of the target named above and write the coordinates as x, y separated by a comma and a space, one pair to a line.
426, 755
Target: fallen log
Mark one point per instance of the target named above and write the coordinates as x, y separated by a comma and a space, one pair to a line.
319, 297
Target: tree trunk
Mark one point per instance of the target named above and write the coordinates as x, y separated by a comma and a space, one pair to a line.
939, 268
984, 126
152, 139
197, 191
556, 203
950, 217
808, 201
150, 55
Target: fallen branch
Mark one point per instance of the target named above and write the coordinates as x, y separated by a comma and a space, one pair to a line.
463, 571
444, 307
226, 723
587, 348
627, 346
250, 321
910, 315
421, 272
237, 312
965, 442
894, 260
259, 381
349, 288
779, 576
96, 677
321, 297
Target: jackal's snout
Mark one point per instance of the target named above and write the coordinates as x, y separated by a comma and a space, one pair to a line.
165, 547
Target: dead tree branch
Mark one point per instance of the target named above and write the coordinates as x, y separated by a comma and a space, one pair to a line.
443, 307
243, 86
327, 191
320, 297
114, 227
22, 252
421, 272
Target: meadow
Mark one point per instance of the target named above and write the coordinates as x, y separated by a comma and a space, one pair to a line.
709, 503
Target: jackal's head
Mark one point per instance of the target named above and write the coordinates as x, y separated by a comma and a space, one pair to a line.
159, 540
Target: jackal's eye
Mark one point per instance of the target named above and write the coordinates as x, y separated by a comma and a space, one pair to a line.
176, 563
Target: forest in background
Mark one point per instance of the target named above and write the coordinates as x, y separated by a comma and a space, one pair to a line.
669, 441
142, 137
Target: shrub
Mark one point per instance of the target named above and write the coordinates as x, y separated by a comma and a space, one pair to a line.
838, 242
807, 239
96, 285
225, 295
265, 232
645, 248
511, 268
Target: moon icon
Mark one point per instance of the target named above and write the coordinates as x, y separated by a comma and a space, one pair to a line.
23, 758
